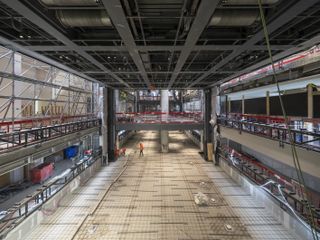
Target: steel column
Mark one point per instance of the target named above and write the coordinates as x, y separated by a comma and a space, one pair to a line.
111, 120
164, 134
207, 129
104, 126
310, 100
268, 103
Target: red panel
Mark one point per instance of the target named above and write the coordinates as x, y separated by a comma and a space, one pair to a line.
41, 173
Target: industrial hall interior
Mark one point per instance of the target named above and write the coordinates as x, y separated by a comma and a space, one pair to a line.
160, 119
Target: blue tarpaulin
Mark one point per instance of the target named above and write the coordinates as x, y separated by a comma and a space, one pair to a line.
71, 152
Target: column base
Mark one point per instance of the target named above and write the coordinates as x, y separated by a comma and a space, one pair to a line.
164, 139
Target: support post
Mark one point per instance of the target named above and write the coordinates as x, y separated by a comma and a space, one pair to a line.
207, 130
268, 103
214, 124
242, 105
164, 135
117, 100
310, 100
111, 125
104, 126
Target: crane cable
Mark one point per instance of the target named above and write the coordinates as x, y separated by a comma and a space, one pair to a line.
286, 120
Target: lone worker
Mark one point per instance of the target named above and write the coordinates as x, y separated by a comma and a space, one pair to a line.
141, 147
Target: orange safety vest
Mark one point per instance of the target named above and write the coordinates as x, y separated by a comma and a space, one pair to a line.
141, 146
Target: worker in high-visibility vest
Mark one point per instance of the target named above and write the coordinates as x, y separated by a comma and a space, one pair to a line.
141, 147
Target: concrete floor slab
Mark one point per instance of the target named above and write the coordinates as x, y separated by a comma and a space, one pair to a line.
154, 199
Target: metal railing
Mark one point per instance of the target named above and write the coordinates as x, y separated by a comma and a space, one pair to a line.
275, 131
280, 188
15, 215
156, 98
26, 137
160, 117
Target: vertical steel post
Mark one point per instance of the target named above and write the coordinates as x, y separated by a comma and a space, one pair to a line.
310, 100
207, 129
242, 105
111, 120
268, 103
104, 125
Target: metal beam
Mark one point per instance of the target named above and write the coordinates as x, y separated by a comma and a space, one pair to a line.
307, 44
281, 20
159, 126
204, 14
20, 8
119, 20
153, 48
155, 72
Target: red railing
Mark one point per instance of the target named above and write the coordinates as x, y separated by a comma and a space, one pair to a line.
159, 117
272, 119
154, 98
10, 126
263, 169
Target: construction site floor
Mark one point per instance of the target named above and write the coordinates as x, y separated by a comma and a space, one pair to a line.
152, 197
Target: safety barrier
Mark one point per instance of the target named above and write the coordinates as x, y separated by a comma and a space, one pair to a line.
276, 131
20, 211
26, 137
159, 117
281, 191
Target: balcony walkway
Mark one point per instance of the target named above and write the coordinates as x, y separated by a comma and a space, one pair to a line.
159, 121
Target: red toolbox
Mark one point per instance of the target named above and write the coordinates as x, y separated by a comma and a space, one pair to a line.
41, 172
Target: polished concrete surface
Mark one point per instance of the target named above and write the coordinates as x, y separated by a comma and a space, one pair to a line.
153, 198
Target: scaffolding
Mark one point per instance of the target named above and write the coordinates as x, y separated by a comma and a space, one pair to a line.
36, 95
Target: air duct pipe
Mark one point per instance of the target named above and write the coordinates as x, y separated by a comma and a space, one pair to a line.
70, 3
83, 18
234, 18
249, 2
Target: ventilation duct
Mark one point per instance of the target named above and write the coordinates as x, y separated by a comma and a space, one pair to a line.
83, 18
234, 18
69, 2
248, 2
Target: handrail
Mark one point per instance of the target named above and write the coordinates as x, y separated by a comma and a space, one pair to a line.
31, 136
160, 117
277, 132
32, 203
158, 113
276, 185
43, 119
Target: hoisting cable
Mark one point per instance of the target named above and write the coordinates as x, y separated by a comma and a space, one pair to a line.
287, 123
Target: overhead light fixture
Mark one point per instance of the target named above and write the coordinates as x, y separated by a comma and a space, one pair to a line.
109, 57
60, 57
29, 36
20, 36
